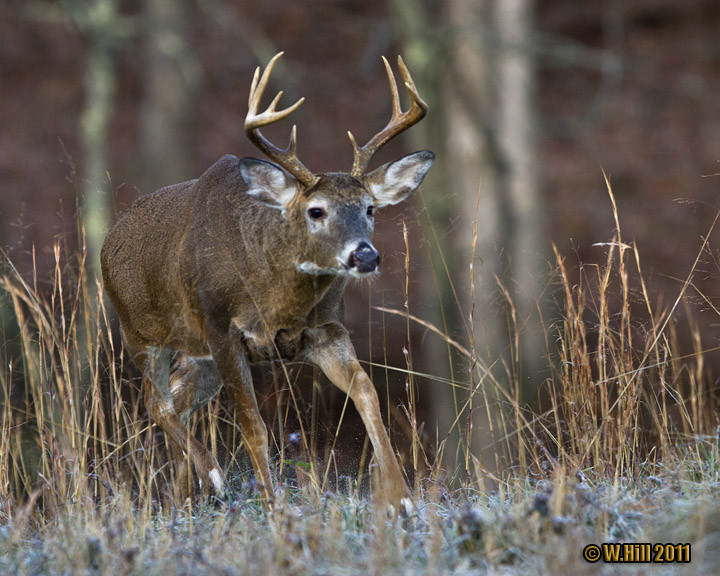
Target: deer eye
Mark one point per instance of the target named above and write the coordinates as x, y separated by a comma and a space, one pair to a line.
316, 213
371, 211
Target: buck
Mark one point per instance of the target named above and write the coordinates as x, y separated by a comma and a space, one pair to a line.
246, 264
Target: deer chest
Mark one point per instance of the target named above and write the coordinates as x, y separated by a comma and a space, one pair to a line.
265, 345
275, 332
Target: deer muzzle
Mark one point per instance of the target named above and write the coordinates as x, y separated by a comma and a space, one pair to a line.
364, 259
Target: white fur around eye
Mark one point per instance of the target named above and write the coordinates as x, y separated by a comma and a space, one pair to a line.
317, 225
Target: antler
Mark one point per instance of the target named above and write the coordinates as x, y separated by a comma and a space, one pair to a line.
399, 121
285, 157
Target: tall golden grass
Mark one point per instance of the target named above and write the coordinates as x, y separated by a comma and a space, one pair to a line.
621, 401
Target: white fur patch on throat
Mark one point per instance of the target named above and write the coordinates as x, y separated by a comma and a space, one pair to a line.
362, 275
314, 270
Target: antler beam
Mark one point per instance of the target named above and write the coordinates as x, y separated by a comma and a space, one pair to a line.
399, 121
285, 157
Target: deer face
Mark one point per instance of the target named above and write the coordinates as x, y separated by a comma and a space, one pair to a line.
333, 220
339, 218
334, 211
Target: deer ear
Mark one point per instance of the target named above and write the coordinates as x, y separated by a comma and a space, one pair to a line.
394, 181
268, 182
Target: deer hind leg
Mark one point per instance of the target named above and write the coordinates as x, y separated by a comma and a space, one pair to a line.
193, 383
333, 352
160, 406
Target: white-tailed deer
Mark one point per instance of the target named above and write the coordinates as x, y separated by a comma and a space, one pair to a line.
248, 263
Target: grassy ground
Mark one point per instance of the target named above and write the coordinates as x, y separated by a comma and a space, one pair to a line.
526, 527
627, 449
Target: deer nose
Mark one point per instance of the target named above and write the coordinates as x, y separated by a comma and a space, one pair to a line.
364, 258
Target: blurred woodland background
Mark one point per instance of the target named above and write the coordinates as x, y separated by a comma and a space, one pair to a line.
102, 101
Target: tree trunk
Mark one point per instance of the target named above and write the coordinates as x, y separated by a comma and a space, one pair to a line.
517, 140
439, 307
484, 109
477, 181
95, 125
166, 116
490, 138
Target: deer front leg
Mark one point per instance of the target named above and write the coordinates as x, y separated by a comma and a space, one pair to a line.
235, 370
332, 351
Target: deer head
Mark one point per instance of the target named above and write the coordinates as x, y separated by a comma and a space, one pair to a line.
336, 210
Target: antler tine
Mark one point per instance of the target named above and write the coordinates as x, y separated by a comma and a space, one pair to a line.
293, 138
252, 102
399, 121
285, 157
396, 110
259, 83
410, 85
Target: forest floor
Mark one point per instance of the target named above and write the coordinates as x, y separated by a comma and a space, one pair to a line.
523, 526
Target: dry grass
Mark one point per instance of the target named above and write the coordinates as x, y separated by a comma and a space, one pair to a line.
627, 448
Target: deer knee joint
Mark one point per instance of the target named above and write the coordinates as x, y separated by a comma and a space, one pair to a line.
363, 391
